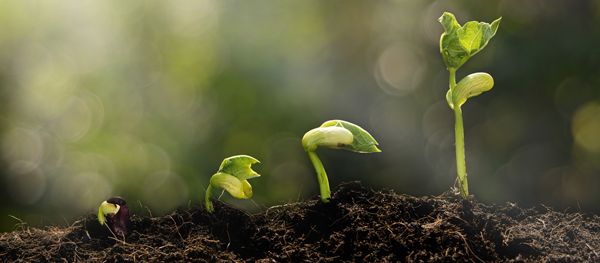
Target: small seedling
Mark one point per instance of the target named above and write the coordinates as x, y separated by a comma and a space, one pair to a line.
335, 134
457, 45
232, 177
115, 214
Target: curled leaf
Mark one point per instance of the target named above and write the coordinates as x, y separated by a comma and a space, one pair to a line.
105, 209
459, 43
238, 188
331, 137
470, 86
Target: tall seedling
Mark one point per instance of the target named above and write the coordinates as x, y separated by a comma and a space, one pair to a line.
457, 45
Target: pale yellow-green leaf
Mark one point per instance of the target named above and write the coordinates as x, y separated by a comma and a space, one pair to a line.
237, 188
470, 86
331, 137
239, 166
105, 209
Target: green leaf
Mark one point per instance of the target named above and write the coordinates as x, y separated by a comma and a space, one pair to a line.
239, 166
459, 43
362, 141
106, 208
449, 22
237, 188
470, 86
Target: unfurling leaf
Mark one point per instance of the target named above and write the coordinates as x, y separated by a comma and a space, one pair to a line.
458, 44
470, 86
239, 166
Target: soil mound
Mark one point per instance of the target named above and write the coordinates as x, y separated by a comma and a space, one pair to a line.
358, 225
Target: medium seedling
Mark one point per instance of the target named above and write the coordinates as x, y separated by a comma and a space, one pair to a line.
457, 45
336, 134
232, 177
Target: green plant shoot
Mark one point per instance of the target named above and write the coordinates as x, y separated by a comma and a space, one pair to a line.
457, 45
232, 177
335, 134
106, 208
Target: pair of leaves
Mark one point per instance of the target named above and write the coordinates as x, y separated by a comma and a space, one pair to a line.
459, 43
339, 134
233, 176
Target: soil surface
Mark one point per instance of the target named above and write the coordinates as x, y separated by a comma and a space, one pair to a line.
358, 225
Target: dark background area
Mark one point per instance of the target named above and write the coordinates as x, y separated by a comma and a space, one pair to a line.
144, 99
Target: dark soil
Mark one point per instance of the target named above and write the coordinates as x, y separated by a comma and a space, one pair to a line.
359, 225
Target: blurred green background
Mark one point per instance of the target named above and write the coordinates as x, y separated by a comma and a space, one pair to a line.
145, 98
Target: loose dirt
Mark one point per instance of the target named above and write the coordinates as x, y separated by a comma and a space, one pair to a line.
358, 225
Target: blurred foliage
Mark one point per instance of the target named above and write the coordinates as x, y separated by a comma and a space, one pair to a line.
144, 99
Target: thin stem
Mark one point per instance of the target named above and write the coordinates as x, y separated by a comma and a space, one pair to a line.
207, 202
321, 176
452, 80
461, 166
459, 137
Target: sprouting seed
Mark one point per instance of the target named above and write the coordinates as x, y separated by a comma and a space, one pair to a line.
115, 214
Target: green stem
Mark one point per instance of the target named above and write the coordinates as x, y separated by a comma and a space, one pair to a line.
321, 176
461, 166
452, 78
459, 137
207, 202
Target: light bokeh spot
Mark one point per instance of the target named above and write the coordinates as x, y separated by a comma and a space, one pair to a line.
586, 127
